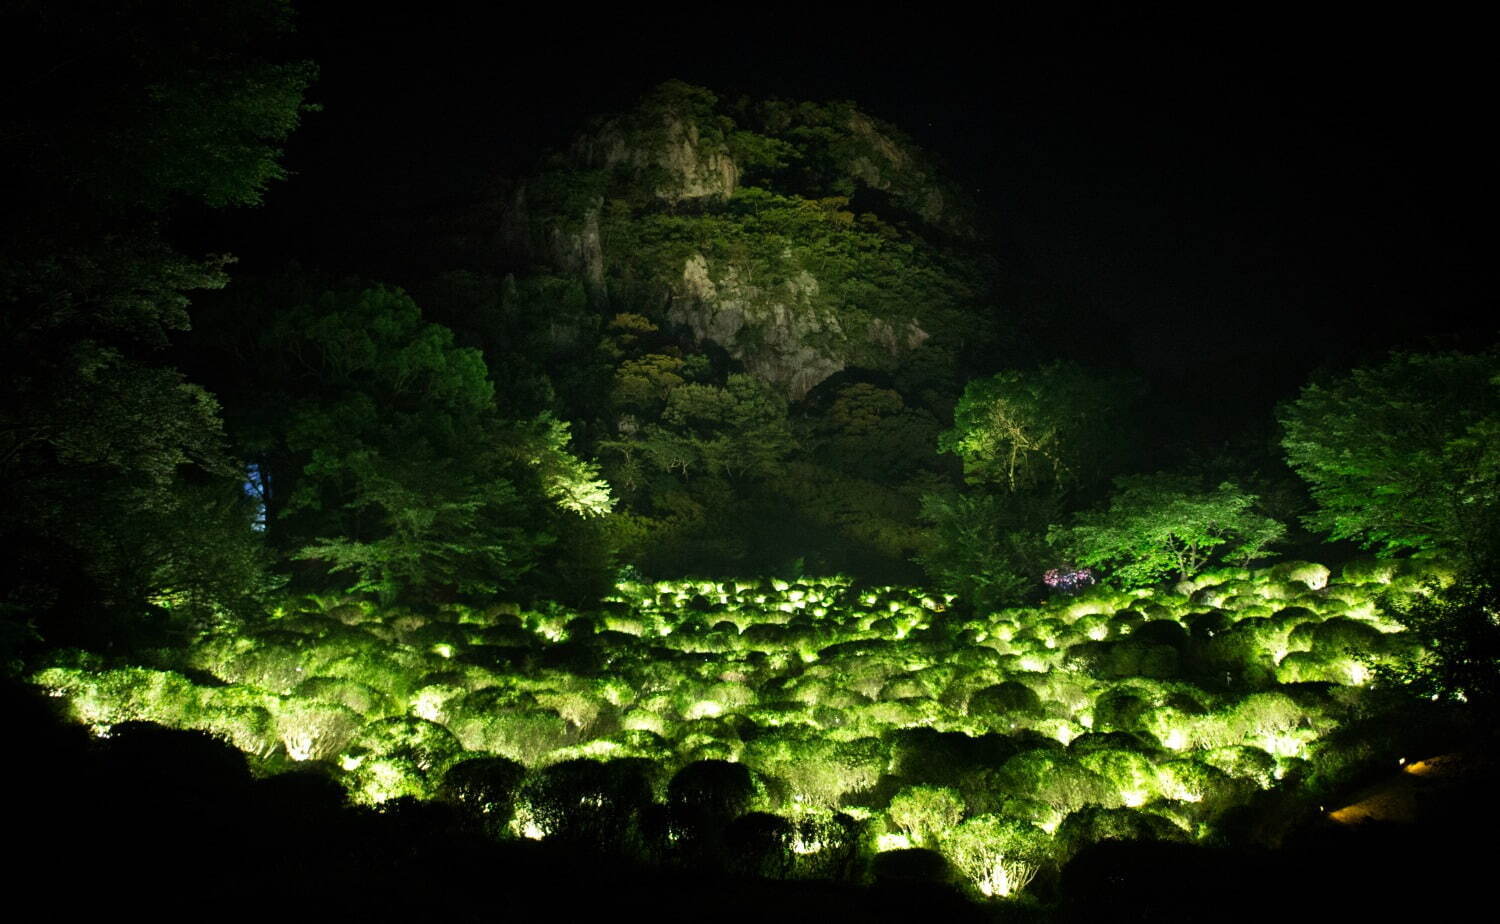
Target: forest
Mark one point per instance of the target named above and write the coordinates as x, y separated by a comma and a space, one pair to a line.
700, 502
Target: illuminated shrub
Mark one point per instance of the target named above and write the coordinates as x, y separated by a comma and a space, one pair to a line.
1086, 658
578, 708
586, 804
378, 671
312, 730
1134, 742
1124, 622
1054, 777
1343, 636
437, 702
876, 718
904, 686
1212, 595
1272, 721
1201, 792
1131, 775
351, 694
1310, 574
643, 720
997, 856
1179, 731
249, 728
1238, 655
484, 789
1031, 811
1316, 667
1094, 824
766, 636
720, 698
1133, 658
1289, 618
825, 846
1120, 710
866, 675
1007, 703
821, 691
273, 668
922, 813
1369, 571
707, 739
122, 695
627, 622
1062, 693
493, 699
526, 735
936, 679
812, 770
397, 757
972, 657
1188, 780
1243, 763
1243, 603
944, 758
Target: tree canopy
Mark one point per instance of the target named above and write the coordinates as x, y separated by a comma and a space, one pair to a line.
382, 450
113, 466
1161, 525
1402, 455
1054, 428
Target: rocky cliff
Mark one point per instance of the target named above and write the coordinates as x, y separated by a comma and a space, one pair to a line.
801, 239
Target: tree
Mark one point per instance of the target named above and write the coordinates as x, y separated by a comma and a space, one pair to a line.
1054, 429
113, 471
990, 549
1402, 455
1164, 524
1459, 629
383, 452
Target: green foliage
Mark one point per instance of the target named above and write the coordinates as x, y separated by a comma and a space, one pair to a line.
112, 467
484, 788
999, 856
965, 735
385, 454
989, 548
398, 757
925, 813
1402, 455
1459, 630
1052, 429
1161, 525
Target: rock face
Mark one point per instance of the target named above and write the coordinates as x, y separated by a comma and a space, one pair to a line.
683, 164
645, 208
894, 167
774, 330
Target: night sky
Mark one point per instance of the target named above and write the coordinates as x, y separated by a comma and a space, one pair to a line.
1226, 205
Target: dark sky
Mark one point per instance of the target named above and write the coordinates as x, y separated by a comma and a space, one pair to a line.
1223, 203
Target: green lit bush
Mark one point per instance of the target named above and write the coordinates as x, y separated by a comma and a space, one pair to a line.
997, 856
923, 813
398, 757
312, 730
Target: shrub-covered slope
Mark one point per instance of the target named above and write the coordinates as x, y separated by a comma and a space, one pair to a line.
808, 729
